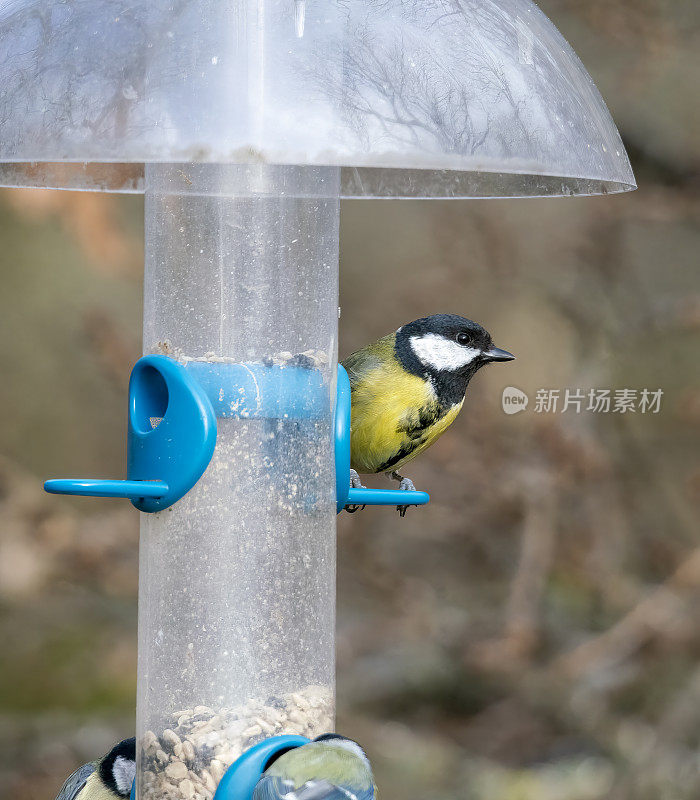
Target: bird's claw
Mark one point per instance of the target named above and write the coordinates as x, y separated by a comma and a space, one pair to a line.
355, 483
405, 485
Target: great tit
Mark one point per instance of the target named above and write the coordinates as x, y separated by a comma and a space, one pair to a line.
107, 778
330, 767
407, 389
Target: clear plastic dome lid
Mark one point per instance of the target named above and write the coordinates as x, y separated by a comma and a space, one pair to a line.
413, 98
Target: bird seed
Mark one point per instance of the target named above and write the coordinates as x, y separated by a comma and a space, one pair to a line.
187, 760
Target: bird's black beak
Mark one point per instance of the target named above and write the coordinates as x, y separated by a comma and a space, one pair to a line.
496, 354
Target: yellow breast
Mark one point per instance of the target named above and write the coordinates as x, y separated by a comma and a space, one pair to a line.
395, 416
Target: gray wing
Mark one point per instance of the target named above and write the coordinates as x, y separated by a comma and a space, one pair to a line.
359, 363
71, 788
271, 787
369, 358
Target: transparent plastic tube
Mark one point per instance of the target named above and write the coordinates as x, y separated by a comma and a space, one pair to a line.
237, 580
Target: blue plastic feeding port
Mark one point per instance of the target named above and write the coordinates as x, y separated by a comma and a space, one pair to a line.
172, 429
171, 439
360, 497
242, 776
173, 410
261, 391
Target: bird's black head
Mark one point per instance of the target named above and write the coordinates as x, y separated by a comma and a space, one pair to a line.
448, 349
118, 767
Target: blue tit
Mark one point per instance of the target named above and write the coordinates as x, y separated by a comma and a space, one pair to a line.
407, 389
107, 778
330, 767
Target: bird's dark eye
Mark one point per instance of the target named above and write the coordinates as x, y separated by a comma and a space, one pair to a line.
463, 338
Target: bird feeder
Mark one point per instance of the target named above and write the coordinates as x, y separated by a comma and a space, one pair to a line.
244, 122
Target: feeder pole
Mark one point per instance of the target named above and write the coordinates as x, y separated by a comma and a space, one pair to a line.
237, 580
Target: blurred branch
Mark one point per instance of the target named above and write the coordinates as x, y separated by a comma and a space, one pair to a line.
523, 623
656, 615
523, 611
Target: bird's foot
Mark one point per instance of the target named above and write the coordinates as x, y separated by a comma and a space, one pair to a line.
355, 483
406, 485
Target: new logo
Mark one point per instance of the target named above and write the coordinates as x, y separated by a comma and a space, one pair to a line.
514, 400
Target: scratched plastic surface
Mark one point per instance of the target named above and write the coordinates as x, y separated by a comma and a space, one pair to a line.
413, 98
237, 579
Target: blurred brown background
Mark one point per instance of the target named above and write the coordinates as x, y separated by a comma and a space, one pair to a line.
533, 634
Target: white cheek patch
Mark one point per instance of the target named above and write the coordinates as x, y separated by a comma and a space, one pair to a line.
124, 771
440, 353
